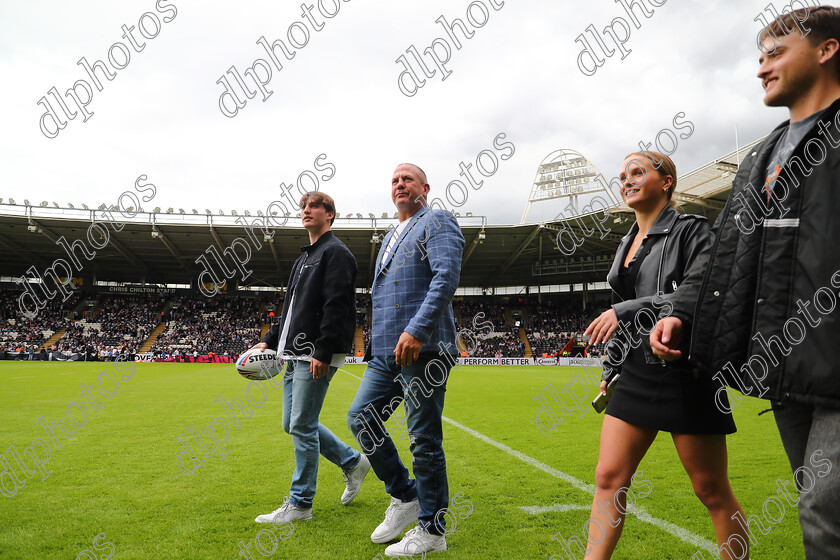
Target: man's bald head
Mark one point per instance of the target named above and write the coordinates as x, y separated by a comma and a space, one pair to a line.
417, 167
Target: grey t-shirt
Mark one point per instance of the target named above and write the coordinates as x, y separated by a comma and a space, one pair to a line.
790, 138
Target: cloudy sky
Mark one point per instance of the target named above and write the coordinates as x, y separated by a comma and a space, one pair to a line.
339, 96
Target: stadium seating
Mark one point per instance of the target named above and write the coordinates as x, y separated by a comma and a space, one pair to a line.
20, 333
192, 324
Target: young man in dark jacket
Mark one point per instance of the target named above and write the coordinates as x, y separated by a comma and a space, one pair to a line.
314, 334
762, 312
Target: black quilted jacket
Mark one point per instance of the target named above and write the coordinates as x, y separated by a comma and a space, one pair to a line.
763, 313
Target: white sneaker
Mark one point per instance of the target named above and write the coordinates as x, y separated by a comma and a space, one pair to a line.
285, 513
398, 516
417, 541
354, 478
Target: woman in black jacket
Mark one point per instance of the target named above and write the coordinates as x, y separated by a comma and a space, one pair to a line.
652, 396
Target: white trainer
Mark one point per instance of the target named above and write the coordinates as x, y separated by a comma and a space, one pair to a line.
417, 541
353, 480
285, 513
398, 516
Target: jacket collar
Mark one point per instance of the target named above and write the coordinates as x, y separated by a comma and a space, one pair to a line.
321, 240
758, 175
663, 224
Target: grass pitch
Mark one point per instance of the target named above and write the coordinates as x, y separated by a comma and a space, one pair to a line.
118, 475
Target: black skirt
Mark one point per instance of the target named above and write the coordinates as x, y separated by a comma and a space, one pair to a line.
670, 399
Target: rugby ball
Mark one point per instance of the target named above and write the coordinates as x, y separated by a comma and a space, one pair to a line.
258, 365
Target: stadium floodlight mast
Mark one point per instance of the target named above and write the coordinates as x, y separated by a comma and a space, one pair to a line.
25, 201
565, 174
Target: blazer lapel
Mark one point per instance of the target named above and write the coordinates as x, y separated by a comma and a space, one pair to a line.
384, 261
385, 241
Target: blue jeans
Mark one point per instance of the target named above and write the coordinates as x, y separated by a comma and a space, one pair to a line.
303, 398
809, 435
421, 386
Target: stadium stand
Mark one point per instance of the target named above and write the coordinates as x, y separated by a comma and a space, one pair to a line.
222, 325
177, 326
19, 333
120, 321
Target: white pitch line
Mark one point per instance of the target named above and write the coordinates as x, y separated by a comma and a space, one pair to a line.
577, 483
675, 530
534, 510
24, 377
348, 373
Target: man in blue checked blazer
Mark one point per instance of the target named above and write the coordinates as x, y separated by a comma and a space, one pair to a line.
411, 352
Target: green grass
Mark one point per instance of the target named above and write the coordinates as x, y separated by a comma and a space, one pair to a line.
118, 474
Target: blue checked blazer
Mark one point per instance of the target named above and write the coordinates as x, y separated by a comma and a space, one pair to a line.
413, 288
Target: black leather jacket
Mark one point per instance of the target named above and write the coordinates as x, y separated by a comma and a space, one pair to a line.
323, 284
675, 244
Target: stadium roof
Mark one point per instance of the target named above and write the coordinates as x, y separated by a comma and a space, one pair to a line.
162, 248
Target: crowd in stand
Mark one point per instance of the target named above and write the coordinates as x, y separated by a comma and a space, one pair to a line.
19, 333
504, 342
197, 325
222, 325
550, 328
123, 322
547, 327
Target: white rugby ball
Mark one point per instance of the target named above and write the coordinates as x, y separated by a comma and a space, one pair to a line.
258, 364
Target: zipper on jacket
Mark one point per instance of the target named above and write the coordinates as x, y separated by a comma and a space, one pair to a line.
661, 258
701, 291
